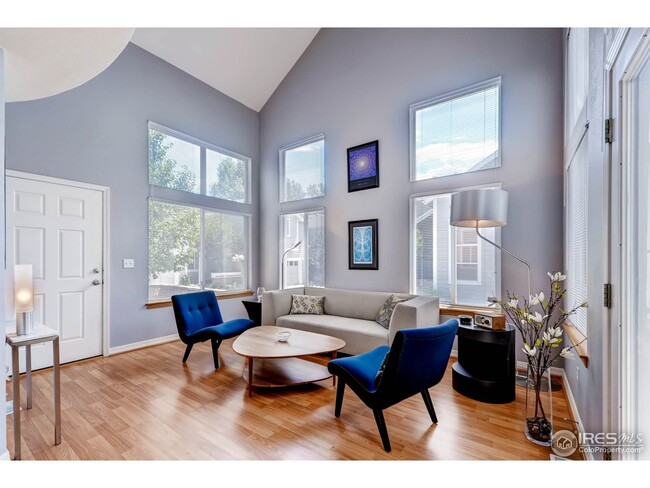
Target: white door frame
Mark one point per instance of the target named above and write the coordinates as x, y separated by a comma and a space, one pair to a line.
628, 48
106, 255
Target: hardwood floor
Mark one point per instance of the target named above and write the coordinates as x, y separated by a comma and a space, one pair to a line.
145, 404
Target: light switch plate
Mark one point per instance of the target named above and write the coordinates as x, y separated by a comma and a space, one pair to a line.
128, 263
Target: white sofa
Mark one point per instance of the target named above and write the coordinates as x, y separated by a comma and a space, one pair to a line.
350, 315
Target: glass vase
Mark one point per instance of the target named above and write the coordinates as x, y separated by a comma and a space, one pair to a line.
539, 407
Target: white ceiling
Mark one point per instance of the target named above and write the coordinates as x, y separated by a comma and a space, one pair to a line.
246, 64
43, 62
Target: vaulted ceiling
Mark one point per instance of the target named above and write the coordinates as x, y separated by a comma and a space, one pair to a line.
246, 64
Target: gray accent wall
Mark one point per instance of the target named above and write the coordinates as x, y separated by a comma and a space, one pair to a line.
97, 133
356, 85
3, 426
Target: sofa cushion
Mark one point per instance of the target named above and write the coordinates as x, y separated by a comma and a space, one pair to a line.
350, 303
306, 304
359, 335
385, 313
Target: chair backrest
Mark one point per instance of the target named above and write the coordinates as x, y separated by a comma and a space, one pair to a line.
195, 311
417, 360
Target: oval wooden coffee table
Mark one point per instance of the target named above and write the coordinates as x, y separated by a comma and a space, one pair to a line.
278, 363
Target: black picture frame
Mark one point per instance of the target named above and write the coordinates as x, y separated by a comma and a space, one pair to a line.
363, 166
363, 247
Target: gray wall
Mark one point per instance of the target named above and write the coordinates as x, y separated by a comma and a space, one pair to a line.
356, 85
3, 426
97, 133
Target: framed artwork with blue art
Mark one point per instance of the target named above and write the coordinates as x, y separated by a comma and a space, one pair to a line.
363, 166
362, 244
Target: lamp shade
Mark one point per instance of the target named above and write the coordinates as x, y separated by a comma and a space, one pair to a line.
487, 207
23, 288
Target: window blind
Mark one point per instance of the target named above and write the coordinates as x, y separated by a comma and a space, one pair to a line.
456, 133
577, 236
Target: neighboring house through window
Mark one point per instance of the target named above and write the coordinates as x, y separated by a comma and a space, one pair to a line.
305, 265
450, 262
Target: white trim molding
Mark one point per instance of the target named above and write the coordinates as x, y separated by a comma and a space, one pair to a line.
142, 344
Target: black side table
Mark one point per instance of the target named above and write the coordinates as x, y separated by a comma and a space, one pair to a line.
254, 309
486, 365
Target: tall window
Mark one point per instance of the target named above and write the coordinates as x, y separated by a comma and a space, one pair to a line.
452, 263
457, 132
197, 239
576, 173
302, 170
304, 265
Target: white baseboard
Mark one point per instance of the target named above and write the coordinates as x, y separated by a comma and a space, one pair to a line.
589, 456
5, 456
139, 345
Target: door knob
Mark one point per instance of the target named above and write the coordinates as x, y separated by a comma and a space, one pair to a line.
96, 270
97, 282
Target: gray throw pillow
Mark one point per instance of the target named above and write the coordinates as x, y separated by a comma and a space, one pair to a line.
386, 311
306, 304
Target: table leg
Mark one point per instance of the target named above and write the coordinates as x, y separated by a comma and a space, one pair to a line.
334, 376
28, 375
57, 392
15, 381
250, 377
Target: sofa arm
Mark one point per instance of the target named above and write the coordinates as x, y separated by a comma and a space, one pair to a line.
416, 312
277, 303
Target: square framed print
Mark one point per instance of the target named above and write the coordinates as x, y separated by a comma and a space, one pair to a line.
363, 166
362, 244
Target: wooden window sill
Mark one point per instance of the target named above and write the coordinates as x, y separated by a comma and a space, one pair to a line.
224, 296
579, 341
456, 310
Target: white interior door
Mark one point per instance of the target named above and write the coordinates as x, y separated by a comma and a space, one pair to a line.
630, 249
58, 230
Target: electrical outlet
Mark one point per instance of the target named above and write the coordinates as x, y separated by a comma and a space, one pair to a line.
128, 263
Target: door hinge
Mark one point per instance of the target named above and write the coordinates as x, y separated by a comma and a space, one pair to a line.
609, 130
607, 295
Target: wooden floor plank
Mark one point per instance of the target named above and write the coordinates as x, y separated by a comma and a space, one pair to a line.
146, 404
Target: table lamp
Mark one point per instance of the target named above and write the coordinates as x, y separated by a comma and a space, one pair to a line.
24, 298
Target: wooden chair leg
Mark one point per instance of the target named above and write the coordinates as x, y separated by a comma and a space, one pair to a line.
383, 431
215, 352
340, 389
427, 401
188, 349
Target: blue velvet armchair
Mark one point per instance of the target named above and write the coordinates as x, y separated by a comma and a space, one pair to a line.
383, 377
198, 319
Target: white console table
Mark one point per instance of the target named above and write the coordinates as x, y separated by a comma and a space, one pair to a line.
40, 334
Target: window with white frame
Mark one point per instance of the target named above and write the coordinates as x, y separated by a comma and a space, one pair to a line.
451, 263
468, 257
302, 170
457, 132
576, 173
199, 225
304, 265
180, 162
